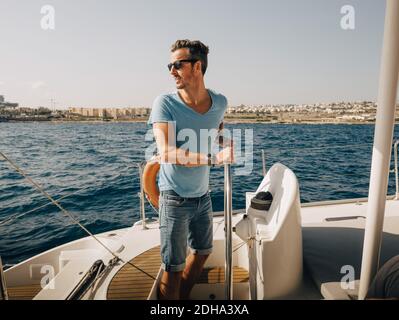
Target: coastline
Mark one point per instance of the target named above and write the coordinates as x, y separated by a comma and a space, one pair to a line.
226, 120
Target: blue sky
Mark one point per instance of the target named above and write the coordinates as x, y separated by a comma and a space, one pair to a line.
114, 53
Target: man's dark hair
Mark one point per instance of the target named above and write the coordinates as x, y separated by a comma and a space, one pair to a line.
197, 51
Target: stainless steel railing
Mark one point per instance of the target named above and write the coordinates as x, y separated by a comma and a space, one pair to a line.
396, 169
228, 210
141, 195
264, 171
3, 286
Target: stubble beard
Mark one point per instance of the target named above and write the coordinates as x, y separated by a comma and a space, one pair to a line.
180, 86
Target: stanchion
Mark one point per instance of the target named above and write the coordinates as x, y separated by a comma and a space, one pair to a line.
228, 232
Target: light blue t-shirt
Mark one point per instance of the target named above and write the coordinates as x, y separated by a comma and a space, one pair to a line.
187, 181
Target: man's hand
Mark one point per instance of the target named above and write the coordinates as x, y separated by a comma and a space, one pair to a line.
221, 139
156, 158
225, 156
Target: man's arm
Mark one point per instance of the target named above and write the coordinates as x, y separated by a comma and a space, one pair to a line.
169, 153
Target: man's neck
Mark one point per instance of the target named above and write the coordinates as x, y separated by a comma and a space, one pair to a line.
194, 96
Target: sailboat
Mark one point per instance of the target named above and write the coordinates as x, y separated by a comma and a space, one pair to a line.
284, 250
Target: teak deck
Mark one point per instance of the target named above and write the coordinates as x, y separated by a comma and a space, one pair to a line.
23, 292
132, 283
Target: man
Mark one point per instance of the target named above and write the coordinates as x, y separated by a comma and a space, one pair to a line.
185, 211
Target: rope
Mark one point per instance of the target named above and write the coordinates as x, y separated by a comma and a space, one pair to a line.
18, 215
66, 213
299, 149
218, 225
241, 244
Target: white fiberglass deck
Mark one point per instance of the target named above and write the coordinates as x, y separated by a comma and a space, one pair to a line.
332, 214
333, 235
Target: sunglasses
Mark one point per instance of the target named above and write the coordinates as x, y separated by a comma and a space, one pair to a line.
179, 63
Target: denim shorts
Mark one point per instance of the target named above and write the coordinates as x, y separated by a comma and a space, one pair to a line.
182, 222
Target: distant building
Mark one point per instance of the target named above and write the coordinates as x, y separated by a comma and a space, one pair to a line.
4, 104
115, 113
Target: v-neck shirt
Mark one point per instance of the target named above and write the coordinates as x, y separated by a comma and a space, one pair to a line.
189, 126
